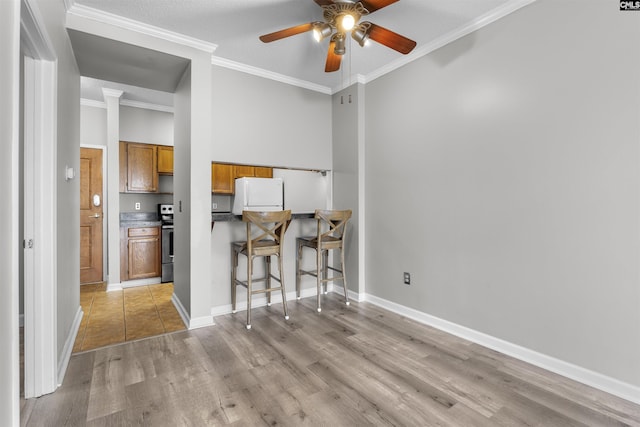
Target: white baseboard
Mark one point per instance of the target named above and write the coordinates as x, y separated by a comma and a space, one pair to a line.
602, 382
181, 310
197, 322
201, 322
133, 283
63, 361
141, 282
114, 287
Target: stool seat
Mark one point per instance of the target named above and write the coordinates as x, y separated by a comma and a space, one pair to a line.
331, 231
271, 227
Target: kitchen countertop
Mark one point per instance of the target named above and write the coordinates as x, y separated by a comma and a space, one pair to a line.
139, 219
228, 216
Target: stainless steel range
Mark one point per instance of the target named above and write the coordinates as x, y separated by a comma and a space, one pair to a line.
165, 212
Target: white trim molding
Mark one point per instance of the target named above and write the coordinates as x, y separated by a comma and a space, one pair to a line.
195, 323
139, 27
260, 72
63, 363
597, 380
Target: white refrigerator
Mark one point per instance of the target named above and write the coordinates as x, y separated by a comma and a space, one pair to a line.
258, 194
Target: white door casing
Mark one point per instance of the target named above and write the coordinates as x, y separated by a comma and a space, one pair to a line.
40, 158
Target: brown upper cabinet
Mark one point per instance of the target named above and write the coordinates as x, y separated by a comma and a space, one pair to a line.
138, 168
223, 175
140, 165
165, 160
222, 178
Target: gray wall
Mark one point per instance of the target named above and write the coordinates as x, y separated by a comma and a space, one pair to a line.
182, 160
511, 159
263, 122
68, 153
346, 121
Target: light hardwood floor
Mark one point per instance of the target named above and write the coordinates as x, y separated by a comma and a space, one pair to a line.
347, 366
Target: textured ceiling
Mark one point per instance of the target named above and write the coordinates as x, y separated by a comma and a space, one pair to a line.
234, 27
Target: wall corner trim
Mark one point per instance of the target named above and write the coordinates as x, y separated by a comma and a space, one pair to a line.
594, 379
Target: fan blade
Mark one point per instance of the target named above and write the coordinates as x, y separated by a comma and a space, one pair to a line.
324, 2
287, 32
373, 5
390, 39
333, 60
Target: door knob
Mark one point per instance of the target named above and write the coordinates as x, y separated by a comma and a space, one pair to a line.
96, 215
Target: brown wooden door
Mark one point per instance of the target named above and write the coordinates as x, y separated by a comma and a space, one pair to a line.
91, 215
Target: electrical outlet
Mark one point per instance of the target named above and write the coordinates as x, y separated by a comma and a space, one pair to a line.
137, 206
407, 278
214, 206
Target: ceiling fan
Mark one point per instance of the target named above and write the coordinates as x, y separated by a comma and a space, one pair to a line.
341, 17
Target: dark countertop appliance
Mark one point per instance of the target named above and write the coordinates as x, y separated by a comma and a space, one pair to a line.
165, 213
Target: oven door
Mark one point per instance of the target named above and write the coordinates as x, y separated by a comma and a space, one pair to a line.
167, 244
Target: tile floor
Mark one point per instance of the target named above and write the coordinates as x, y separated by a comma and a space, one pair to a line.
130, 314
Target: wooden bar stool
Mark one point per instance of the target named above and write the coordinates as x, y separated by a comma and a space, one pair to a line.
268, 241
334, 224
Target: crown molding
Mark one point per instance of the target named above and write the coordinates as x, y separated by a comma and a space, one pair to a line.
138, 27
146, 106
474, 25
260, 72
111, 92
34, 38
128, 103
92, 103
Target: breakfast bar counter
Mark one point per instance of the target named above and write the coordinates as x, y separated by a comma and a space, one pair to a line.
228, 216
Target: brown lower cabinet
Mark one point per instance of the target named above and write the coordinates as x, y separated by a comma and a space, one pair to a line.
140, 253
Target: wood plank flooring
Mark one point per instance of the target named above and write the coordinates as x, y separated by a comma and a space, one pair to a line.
347, 366
129, 314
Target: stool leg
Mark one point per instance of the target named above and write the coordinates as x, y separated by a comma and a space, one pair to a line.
234, 266
298, 257
319, 276
284, 294
249, 274
344, 276
267, 272
325, 269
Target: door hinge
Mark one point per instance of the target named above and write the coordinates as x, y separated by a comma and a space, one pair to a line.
27, 244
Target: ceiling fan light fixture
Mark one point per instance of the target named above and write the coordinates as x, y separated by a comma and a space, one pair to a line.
340, 48
321, 30
361, 35
346, 22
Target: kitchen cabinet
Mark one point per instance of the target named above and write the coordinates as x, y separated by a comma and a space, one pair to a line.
165, 160
223, 175
138, 168
140, 253
262, 172
241, 171
222, 178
